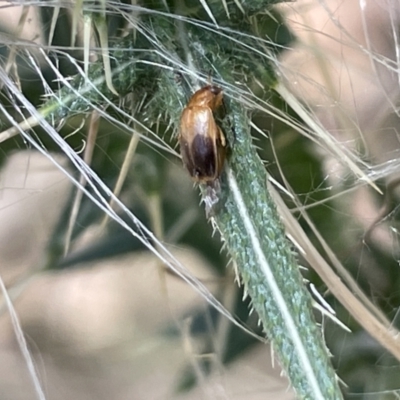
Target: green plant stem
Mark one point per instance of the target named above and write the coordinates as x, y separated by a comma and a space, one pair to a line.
255, 239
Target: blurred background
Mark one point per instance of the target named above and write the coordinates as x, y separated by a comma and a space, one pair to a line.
109, 320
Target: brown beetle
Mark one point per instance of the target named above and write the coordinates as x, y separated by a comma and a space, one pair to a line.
202, 142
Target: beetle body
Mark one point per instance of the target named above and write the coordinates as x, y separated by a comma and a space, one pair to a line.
202, 142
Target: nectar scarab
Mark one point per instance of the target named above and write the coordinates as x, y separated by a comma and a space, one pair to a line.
202, 142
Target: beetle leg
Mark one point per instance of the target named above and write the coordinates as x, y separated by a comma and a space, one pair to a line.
221, 136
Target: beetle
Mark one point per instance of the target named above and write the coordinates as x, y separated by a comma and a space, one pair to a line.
202, 142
